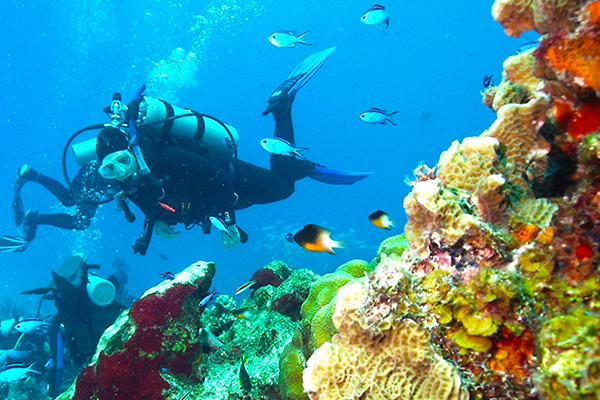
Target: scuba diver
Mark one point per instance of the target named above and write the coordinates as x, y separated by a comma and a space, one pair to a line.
179, 166
87, 180
85, 306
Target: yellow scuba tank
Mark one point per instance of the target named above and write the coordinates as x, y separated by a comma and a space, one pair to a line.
221, 140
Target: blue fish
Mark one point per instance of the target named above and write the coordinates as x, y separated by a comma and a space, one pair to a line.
207, 299
220, 225
282, 147
377, 116
376, 15
527, 46
287, 39
167, 275
28, 325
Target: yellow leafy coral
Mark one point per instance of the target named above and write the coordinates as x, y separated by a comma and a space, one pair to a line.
397, 363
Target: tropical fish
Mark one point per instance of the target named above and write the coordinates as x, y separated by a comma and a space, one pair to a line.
527, 46
28, 325
167, 275
220, 225
244, 377
242, 313
244, 286
381, 220
377, 116
17, 354
487, 81
207, 299
282, 147
315, 238
287, 39
376, 15
16, 372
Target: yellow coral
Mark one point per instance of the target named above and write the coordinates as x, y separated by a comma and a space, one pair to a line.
517, 128
518, 16
397, 364
519, 84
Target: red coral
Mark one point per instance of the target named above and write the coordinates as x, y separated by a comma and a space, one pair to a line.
122, 376
514, 354
133, 373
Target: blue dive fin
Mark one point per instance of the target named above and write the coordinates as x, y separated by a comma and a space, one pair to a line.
336, 177
284, 94
309, 67
13, 244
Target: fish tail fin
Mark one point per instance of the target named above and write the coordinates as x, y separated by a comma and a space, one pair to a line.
392, 113
302, 34
392, 122
299, 155
304, 43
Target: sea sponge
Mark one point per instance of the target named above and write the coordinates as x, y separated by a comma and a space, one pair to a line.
570, 356
518, 16
399, 363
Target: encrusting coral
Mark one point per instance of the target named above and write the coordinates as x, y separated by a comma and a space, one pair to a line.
367, 362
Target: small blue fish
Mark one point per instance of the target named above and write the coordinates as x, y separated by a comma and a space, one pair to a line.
16, 372
207, 299
220, 225
282, 147
376, 15
287, 39
487, 81
167, 275
527, 46
28, 325
377, 116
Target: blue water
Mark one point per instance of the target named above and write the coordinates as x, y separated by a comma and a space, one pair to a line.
61, 61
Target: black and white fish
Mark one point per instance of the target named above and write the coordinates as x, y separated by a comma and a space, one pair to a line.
282, 147
376, 15
377, 116
287, 39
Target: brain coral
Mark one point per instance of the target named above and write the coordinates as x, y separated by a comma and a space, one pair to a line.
397, 363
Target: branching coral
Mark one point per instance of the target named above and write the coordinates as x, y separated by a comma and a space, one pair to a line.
398, 363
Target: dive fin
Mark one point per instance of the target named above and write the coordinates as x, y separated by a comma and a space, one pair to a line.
298, 78
336, 177
243, 235
309, 67
13, 244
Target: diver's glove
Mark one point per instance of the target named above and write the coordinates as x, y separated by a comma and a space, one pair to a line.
165, 230
231, 237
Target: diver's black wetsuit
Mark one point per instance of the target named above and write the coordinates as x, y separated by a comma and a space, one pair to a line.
87, 179
194, 187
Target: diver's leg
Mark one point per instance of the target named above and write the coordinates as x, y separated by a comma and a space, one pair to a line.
58, 190
256, 185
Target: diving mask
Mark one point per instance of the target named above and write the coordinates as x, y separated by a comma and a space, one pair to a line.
119, 165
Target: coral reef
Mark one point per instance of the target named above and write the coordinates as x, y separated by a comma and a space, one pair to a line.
154, 341
363, 361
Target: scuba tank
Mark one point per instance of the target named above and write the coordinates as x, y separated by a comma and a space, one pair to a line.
221, 140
